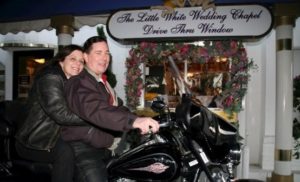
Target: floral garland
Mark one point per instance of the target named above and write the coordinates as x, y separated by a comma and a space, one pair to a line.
296, 93
156, 53
296, 122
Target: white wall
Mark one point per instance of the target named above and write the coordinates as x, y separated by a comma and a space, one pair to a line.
6, 56
260, 102
253, 105
296, 62
269, 104
6, 60
296, 33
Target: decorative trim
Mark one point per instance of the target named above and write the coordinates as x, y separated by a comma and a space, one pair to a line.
283, 155
281, 178
63, 24
65, 29
283, 44
284, 20
25, 45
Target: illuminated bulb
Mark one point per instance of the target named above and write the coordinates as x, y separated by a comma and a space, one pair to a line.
40, 61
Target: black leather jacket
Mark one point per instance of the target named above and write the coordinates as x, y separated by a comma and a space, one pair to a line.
47, 111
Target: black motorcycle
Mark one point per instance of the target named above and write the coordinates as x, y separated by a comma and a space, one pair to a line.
193, 145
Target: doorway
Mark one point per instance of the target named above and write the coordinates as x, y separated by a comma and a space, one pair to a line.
25, 66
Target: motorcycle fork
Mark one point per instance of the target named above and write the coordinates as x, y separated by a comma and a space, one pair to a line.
201, 157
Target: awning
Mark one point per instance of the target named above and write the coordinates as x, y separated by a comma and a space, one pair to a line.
44, 24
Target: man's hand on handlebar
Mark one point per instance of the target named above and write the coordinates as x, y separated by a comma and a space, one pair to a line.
146, 125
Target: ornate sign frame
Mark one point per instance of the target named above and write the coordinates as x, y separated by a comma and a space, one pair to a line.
191, 23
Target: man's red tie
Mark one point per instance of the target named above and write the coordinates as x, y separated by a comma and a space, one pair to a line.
111, 99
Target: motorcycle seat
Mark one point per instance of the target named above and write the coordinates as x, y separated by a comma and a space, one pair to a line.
9, 122
6, 129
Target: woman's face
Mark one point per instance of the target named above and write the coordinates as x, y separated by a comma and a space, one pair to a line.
73, 64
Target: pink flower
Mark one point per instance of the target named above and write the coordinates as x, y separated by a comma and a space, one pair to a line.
139, 93
229, 101
233, 45
131, 52
153, 45
143, 45
219, 46
203, 52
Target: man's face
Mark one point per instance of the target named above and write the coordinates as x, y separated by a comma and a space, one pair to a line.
97, 60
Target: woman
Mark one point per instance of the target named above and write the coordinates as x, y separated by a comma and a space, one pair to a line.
39, 138
98, 106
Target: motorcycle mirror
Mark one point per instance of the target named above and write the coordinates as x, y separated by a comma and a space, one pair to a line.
158, 105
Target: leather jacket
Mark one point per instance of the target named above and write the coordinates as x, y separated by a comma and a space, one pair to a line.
47, 110
89, 99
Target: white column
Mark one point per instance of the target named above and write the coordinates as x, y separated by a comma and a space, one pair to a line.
284, 100
64, 26
64, 39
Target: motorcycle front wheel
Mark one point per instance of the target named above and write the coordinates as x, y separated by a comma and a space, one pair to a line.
217, 173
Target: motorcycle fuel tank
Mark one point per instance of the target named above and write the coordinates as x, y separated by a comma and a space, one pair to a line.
150, 161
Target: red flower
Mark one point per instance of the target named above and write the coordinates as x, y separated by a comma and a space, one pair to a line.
184, 49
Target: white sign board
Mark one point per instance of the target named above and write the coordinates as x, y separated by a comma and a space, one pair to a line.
191, 22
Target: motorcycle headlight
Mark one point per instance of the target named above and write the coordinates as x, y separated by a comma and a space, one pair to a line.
235, 154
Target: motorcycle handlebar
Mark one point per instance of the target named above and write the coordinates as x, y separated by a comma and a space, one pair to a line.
161, 125
164, 125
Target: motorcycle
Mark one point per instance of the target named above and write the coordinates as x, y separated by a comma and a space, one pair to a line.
193, 145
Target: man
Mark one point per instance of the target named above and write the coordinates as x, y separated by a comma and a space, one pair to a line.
91, 97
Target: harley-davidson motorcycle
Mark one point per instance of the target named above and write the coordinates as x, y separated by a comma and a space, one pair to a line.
193, 145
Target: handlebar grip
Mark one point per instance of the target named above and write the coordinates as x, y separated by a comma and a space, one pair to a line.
164, 125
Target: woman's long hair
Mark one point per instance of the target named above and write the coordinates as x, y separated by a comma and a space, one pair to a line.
60, 56
64, 52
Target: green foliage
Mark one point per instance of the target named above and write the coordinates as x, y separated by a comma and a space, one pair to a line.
111, 78
100, 31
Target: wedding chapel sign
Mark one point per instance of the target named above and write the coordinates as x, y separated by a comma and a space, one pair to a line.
239, 21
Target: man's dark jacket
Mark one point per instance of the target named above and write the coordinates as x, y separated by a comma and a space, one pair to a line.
89, 99
47, 110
